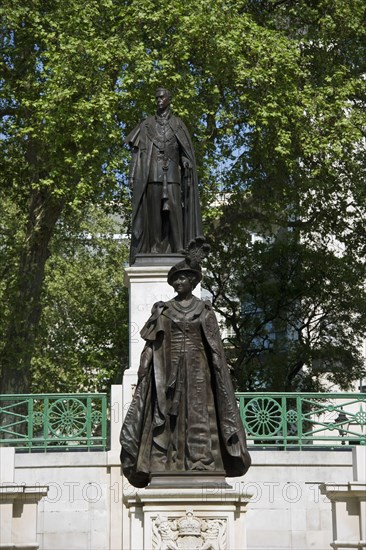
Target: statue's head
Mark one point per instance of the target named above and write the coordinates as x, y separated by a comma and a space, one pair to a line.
194, 274
164, 91
163, 98
197, 249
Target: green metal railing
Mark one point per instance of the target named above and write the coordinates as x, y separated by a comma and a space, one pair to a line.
54, 421
288, 420
67, 422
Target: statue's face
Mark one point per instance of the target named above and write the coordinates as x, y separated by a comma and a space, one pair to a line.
162, 100
181, 283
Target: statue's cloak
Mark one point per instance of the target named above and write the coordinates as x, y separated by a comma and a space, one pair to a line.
141, 142
147, 416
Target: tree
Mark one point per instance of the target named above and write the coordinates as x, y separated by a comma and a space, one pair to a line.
273, 93
60, 65
295, 298
82, 341
297, 314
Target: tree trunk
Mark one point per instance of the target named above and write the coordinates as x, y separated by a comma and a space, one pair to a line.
25, 294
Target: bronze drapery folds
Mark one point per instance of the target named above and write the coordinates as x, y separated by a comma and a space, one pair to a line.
166, 213
183, 416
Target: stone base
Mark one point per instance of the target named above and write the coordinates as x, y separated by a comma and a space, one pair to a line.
348, 513
188, 480
18, 515
203, 518
157, 259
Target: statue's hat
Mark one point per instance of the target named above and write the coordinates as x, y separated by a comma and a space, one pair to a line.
195, 252
184, 266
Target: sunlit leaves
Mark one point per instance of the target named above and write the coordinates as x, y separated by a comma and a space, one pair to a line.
83, 334
272, 92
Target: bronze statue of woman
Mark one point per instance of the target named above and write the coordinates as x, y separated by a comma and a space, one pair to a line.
184, 416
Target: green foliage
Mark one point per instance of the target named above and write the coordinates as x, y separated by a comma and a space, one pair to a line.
295, 299
83, 335
297, 314
60, 144
61, 64
273, 93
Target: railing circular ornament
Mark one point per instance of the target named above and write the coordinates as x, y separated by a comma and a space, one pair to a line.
291, 416
38, 419
67, 418
263, 416
360, 417
96, 418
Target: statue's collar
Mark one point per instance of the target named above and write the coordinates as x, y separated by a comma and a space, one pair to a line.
163, 117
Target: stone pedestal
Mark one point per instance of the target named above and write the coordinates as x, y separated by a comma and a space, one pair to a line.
348, 514
146, 285
18, 507
349, 506
206, 517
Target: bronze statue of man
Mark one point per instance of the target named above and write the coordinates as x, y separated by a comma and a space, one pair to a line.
163, 176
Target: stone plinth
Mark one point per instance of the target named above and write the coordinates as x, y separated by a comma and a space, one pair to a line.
349, 505
18, 516
208, 517
18, 507
188, 480
348, 514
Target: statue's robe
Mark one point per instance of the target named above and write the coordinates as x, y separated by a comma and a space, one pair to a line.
158, 397
141, 140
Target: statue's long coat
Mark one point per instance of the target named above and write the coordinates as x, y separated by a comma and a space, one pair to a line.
141, 141
148, 415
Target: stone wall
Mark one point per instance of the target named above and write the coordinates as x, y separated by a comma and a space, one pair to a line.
287, 509
83, 506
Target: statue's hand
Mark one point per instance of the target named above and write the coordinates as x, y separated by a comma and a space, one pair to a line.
130, 184
233, 440
186, 163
